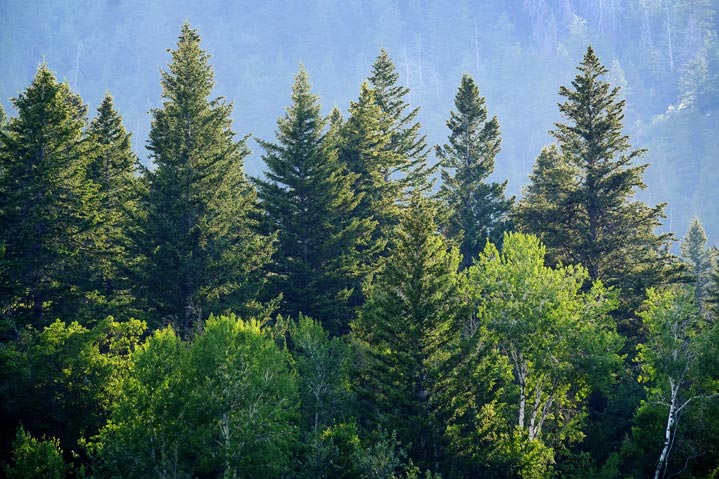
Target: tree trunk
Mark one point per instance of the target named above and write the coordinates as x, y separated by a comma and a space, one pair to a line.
669, 430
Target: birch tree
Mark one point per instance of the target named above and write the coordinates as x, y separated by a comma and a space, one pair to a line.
559, 340
673, 362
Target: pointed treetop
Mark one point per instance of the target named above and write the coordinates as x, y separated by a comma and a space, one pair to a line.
189, 72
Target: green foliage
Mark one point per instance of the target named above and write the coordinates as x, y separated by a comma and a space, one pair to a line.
584, 191
559, 340
113, 167
223, 405
405, 142
307, 199
406, 327
365, 150
203, 255
700, 259
477, 208
35, 459
48, 209
61, 381
323, 368
678, 368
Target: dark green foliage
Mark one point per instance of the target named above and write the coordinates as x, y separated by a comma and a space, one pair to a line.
203, 255
365, 150
113, 168
48, 207
581, 202
477, 209
404, 131
405, 327
35, 459
308, 200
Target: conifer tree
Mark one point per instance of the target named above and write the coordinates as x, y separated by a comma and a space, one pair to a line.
406, 326
409, 148
364, 149
203, 253
477, 208
113, 167
586, 189
307, 198
700, 260
48, 205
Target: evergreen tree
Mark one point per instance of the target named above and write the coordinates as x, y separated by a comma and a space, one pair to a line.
477, 208
410, 148
406, 326
48, 206
307, 198
203, 255
586, 189
700, 260
364, 141
113, 167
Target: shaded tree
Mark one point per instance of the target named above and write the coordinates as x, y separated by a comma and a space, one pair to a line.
203, 253
49, 206
477, 208
405, 327
700, 259
308, 200
113, 168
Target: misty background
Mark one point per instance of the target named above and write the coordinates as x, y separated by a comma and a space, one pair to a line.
663, 53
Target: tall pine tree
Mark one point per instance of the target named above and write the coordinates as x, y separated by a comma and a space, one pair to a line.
113, 167
477, 208
307, 198
586, 192
203, 253
48, 206
406, 327
409, 147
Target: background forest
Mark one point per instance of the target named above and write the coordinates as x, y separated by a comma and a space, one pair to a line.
662, 53
367, 296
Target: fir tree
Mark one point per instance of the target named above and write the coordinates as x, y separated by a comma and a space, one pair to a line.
587, 192
307, 198
113, 167
700, 261
203, 253
48, 205
364, 149
406, 327
410, 149
477, 209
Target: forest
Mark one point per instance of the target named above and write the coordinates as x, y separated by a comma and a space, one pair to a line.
355, 311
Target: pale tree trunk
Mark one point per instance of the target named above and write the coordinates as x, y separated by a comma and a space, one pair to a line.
669, 429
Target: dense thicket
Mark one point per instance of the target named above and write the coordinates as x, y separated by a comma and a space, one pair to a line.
386, 331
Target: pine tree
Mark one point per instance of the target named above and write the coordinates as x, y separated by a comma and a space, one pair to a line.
48, 206
406, 326
364, 149
477, 209
113, 167
203, 255
592, 179
700, 260
307, 198
409, 148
